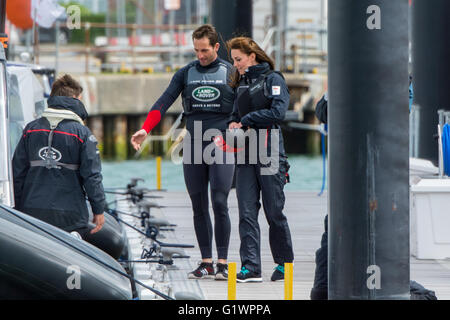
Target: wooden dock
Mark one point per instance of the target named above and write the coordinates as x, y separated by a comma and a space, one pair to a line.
305, 212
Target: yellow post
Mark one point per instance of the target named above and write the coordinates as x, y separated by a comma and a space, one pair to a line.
288, 281
158, 173
232, 281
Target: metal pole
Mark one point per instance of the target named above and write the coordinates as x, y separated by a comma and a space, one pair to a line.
416, 130
231, 280
199, 16
108, 18
180, 30
431, 68
57, 33
441, 123
2, 16
121, 18
288, 281
87, 43
157, 21
284, 8
232, 18
139, 17
322, 23
172, 37
368, 150
158, 173
35, 40
278, 36
133, 48
6, 183
4, 37
188, 12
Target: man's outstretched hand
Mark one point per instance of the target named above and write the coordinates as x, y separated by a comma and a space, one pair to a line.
138, 138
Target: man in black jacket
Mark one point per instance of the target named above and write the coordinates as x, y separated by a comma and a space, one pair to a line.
56, 164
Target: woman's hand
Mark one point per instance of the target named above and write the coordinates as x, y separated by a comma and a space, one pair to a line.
234, 125
138, 138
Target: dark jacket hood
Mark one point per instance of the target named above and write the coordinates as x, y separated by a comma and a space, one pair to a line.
257, 70
68, 103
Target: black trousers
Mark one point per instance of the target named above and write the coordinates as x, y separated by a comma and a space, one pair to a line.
250, 184
219, 177
320, 287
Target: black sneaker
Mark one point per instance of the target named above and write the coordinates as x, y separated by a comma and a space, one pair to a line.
204, 271
222, 271
278, 273
246, 275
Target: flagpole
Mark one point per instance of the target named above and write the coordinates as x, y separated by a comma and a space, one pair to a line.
57, 35
2, 15
3, 35
44, 14
35, 38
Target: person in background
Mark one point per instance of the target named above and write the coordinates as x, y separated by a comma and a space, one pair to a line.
56, 164
319, 290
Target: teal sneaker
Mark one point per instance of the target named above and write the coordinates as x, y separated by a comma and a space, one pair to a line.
278, 273
246, 275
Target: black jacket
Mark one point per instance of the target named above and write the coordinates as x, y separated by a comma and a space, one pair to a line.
266, 118
58, 196
210, 120
322, 109
278, 93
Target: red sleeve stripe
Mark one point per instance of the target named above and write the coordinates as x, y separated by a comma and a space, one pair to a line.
152, 120
60, 132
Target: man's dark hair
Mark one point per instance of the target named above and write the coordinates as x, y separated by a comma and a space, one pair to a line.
206, 31
66, 86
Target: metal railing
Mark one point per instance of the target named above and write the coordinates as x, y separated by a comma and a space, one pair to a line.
170, 43
444, 118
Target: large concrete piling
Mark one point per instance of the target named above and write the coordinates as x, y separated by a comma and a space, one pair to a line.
368, 149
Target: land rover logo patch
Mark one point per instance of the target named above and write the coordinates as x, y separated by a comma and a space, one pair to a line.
54, 154
206, 94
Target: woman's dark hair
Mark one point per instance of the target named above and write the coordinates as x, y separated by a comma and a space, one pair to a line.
247, 46
66, 86
206, 31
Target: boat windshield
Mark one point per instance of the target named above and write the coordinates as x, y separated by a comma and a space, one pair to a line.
6, 194
16, 116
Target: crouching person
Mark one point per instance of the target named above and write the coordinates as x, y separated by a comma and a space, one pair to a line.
56, 164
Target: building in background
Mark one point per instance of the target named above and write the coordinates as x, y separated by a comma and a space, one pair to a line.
95, 6
303, 26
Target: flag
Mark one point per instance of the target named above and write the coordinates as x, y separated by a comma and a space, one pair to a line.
45, 12
171, 4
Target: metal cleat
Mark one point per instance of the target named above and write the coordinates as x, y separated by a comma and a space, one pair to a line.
159, 222
145, 205
134, 182
168, 254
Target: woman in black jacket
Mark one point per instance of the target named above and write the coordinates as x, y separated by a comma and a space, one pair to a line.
260, 106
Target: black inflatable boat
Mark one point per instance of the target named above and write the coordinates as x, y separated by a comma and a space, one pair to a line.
111, 238
40, 261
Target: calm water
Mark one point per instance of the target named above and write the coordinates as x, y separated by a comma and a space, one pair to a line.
306, 173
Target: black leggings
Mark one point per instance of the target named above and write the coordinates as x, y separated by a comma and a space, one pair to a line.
220, 178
